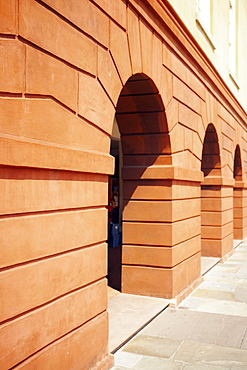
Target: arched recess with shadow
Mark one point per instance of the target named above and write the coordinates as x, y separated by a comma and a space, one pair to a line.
211, 165
145, 147
238, 197
211, 195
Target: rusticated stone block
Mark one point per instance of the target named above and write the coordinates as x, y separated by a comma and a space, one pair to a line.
49, 190
50, 322
160, 256
134, 41
94, 104
43, 28
42, 120
163, 234
160, 282
8, 17
217, 248
182, 92
146, 35
120, 51
12, 71
108, 75
50, 234
73, 351
77, 12
116, 10
39, 282
166, 211
48, 76
28, 154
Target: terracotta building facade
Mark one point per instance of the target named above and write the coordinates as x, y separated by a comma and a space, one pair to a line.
69, 70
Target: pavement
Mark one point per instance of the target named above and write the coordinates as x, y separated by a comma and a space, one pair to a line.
128, 314
206, 331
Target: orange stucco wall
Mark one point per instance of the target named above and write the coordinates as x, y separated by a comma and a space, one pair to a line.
64, 66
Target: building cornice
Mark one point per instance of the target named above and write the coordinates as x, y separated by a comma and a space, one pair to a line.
166, 22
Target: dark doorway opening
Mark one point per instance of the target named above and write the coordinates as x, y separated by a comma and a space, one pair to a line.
140, 128
114, 221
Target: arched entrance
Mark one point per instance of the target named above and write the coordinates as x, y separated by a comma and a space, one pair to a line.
211, 165
211, 193
145, 144
238, 196
216, 201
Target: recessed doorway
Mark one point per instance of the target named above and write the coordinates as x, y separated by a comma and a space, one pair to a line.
115, 215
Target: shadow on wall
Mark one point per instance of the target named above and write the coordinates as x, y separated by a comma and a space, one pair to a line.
141, 119
211, 164
237, 172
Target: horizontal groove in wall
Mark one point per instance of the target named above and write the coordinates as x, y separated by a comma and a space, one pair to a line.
57, 339
52, 211
167, 200
220, 239
51, 174
50, 97
4, 94
162, 246
146, 134
48, 144
30, 43
70, 23
143, 94
173, 222
162, 267
160, 199
51, 256
165, 245
7, 36
50, 302
139, 112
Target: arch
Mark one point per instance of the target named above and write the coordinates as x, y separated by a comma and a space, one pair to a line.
211, 197
141, 119
239, 230
145, 143
237, 169
211, 164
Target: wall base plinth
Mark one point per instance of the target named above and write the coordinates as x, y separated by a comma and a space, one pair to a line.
226, 256
161, 282
105, 364
186, 292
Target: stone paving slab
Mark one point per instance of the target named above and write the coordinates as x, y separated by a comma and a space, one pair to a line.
187, 356
207, 331
199, 326
215, 294
211, 354
208, 284
155, 363
235, 296
127, 360
152, 346
128, 313
207, 263
223, 307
